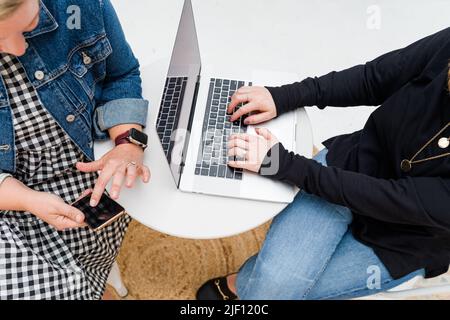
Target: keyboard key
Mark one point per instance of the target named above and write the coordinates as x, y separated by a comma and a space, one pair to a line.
204, 172
222, 170
218, 82
197, 171
230, 173
238, 175
215, 161
205, 166
213, 171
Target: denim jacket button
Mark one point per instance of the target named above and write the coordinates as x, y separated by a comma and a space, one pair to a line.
70, 118
86, 59
39, 75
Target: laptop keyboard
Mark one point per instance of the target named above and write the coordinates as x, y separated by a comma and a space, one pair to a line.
169, 112
217, 128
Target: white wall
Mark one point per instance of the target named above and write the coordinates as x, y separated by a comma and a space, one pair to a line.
309, 37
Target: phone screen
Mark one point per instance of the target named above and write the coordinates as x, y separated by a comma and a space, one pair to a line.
96, 217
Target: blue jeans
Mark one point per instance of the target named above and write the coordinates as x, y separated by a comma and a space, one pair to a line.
310, 253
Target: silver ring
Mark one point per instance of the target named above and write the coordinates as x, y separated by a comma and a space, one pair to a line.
132, 163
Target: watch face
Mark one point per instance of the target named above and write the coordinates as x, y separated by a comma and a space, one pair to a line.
138, 136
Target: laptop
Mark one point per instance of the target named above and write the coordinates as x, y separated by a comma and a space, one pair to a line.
194, 128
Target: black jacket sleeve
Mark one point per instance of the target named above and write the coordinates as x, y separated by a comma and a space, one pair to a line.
421, 201
370, 84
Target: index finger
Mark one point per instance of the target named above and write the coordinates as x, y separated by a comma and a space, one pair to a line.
101, 184
237, 99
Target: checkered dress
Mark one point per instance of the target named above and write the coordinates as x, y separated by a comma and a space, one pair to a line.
36, 261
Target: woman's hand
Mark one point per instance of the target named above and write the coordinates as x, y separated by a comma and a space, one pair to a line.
53, 210
124, 162
258, 100
251, 149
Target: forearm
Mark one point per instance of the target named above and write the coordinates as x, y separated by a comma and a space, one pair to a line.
395, 201
15, 196
366, 84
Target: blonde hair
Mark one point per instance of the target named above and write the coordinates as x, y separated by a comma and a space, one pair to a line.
8, 7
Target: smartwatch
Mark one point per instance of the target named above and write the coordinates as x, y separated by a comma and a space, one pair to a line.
133, 136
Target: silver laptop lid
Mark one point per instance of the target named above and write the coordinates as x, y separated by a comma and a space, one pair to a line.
178, 101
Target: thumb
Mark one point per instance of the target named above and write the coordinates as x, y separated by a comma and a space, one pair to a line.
266, 134
90, 166
72, 213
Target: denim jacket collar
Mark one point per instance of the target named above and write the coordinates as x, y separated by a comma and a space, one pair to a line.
47, 23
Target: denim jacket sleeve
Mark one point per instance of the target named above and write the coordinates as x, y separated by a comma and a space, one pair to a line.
121, 101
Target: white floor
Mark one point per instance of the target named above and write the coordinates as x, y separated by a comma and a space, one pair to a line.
309, 37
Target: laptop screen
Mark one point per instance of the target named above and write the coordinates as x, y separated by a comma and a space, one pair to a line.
179, 92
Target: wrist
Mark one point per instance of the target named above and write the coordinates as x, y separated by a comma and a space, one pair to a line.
129, 147
30, 198
279, 99
274, 161
132, 136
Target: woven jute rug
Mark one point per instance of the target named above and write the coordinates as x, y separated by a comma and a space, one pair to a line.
158, 266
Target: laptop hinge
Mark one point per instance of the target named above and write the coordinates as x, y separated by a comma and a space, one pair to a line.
189, 127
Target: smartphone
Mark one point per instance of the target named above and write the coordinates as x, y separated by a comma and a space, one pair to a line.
106, 212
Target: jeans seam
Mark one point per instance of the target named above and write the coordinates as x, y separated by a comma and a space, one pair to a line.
314, 282
355, 290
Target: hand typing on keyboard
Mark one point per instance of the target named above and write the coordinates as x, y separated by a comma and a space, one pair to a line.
249, 151
258, 105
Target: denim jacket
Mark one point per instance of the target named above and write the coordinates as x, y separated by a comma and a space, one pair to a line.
85, 74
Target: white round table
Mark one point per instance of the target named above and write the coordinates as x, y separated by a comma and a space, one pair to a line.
161, 206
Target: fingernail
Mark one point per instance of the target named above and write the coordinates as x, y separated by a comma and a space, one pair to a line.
114, 194
80, 218
93, 203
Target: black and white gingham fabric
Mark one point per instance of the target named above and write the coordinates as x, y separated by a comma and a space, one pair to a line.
36, 261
